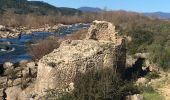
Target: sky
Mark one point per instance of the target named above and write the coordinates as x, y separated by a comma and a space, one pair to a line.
128, 5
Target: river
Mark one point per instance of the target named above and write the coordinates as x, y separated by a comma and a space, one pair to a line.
17, 49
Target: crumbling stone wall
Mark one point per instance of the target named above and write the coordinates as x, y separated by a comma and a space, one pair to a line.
102, 48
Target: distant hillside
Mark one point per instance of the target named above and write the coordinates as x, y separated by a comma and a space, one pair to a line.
35, 7
90, 9
160, 15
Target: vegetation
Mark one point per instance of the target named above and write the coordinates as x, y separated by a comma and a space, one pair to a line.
150, 94
100, 85
34, 7
43, 47
78, 35
149, 35
152, 75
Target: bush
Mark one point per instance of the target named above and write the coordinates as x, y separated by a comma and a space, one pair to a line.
150, 94
100, 85
78, 35
152, 75
160, 55
42, 48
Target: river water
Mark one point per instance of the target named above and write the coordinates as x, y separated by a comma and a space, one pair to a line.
18, 47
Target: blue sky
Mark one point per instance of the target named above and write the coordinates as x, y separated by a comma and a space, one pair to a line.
129, 5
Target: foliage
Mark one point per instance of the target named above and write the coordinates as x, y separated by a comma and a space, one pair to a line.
150, 94
43, 47
11, 73
140, 40
152, 75
100, 85
160, 55
36, 7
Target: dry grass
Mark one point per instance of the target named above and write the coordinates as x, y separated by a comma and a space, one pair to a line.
43, 47
78, 35
125, 19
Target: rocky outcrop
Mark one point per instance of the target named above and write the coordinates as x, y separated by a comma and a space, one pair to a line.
101, 49
13, 93
15, 78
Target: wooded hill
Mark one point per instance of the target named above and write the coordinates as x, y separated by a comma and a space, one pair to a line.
34, 7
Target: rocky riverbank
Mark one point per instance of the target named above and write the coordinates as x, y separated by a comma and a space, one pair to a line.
13, 32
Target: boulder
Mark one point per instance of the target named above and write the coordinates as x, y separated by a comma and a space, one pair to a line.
2, 94
2, 27
130, 61
142, 81
31, 65
17, 82
134, 97
3, 81
13, 93
30, 69
8, 65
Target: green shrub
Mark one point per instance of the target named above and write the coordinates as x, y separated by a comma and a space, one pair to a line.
152, 75
160, 55
149, 93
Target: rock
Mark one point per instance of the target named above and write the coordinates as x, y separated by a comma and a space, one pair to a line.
130, 61
13, 93
31, 65
17, 82
5, 43
10, 83
2, 94
153, 68
8, 65
70, 87
55, 27
59, 68
31, 69
23, 62
2, 27
142, 55
4, 47
150, 66
3, 81
142, 81
134, 97
28, 93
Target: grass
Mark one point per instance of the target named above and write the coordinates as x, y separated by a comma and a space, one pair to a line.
152, 96
149, 93
152, 75
163, 81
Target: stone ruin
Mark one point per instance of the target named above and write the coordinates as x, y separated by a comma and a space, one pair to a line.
102, 48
